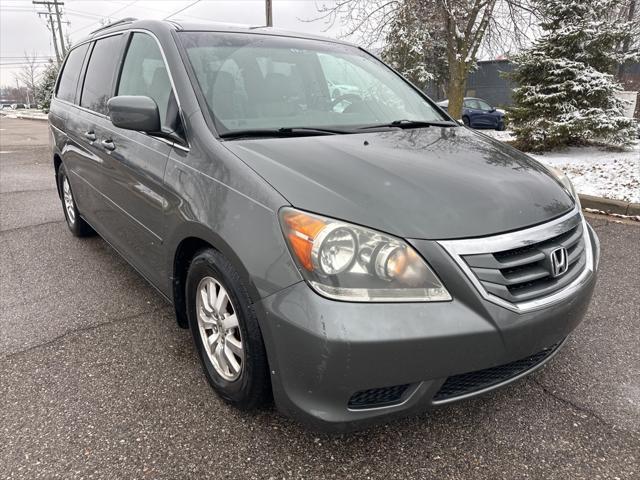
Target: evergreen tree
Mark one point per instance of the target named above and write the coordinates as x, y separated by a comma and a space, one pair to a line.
567, 93
45, 86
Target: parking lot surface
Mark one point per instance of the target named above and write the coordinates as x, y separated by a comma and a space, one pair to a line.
97, 380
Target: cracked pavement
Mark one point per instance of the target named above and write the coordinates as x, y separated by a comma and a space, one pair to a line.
97, 381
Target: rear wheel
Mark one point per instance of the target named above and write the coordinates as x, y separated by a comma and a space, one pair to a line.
225, 329
75, 222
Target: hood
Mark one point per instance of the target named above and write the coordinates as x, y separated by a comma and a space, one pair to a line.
429, 183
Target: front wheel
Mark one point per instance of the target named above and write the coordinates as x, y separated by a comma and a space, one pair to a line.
466, 121
225, 329
75, 222
500, 127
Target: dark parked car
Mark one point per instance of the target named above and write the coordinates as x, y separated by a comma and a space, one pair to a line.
355, 259
477, 113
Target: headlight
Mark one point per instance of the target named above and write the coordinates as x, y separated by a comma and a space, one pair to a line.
566, 183
349, 262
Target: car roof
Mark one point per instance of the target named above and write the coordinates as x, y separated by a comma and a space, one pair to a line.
202, 26
446, 100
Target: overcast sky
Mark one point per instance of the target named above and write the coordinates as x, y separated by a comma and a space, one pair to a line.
22, 30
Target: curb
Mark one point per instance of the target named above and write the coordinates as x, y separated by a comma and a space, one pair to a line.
610, 206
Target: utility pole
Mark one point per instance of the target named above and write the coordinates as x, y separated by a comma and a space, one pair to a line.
53, 31
269, 12
58, 15
61, 50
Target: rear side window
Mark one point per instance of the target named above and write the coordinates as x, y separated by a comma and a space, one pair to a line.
98, 80
70, 73
144, 73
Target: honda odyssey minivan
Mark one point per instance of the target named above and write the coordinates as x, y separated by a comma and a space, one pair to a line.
352, 253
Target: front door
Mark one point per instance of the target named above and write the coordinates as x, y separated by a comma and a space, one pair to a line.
134, 165
487, 117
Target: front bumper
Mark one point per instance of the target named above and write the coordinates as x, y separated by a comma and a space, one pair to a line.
322, 352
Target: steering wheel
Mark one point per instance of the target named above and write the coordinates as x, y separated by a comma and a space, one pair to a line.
349, 97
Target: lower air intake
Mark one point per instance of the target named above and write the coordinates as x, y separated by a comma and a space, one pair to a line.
378, 397
459, 385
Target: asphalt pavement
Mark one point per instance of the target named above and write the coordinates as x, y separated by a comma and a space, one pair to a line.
97, 380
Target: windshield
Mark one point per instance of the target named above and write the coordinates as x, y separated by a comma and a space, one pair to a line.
255, 82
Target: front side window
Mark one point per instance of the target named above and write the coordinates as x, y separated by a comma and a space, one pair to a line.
270, 82
144, 73
472, 103
484, 105
98, 80
70, 74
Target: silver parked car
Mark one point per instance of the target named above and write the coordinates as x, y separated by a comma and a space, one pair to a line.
353, 259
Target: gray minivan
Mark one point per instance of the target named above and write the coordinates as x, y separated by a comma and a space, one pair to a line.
352, 253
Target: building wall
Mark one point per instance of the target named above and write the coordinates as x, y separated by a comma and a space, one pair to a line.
488, 82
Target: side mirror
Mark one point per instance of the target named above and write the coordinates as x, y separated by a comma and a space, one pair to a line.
134, 112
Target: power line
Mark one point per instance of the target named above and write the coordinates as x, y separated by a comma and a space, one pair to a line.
78, 13
102, 17
20, 64
15, 9
21, 57
181, 10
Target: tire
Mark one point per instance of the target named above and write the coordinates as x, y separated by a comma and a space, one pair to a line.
500, 127
75, 222
466, 122
249, 388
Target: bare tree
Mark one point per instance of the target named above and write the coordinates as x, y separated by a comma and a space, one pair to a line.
29, 75
466, 26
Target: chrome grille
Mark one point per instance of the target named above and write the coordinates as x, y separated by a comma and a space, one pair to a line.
524, 273
515, 270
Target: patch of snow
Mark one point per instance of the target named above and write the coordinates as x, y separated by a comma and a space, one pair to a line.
504, 136
598, 172
592, 170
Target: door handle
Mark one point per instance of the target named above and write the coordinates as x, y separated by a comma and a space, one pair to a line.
108, 144
90, 135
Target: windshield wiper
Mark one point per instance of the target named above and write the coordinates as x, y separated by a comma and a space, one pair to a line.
282, 132
411, 124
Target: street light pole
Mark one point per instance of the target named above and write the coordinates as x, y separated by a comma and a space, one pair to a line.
269, 12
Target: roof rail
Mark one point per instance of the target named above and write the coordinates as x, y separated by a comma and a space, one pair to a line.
117, 22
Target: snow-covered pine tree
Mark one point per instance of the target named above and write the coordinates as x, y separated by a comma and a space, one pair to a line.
46, 84
567, 92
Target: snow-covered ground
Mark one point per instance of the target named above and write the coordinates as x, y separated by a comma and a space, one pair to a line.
31, 113
594, 171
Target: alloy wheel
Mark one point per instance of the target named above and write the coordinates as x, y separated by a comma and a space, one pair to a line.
219, 329
68, 201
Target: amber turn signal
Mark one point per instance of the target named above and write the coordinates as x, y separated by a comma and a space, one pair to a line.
301, 230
